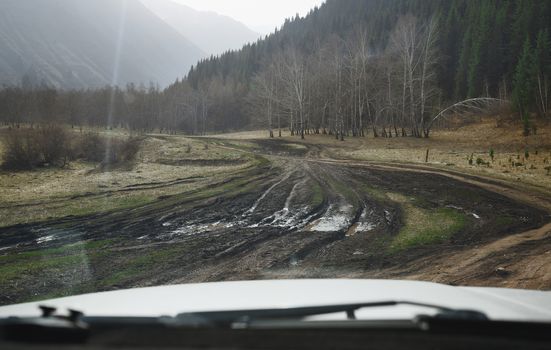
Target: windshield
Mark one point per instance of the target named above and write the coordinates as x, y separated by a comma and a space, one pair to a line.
162, 142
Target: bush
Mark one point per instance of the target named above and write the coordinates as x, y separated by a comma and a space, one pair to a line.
125, 150
91, 147
526, 125
95, 148
30, 148
53, 146
480, 161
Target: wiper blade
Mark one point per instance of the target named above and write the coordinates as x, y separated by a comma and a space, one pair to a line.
228, 318
47, 328
77, 328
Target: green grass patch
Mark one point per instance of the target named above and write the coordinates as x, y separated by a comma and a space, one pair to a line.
317, 195
73, 207
35, 267
425, 226
295, 146
45, 261
107, 204
137, 266
505, 221
344, 189
375, 193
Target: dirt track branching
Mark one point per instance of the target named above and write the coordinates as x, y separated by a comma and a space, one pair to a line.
249, 208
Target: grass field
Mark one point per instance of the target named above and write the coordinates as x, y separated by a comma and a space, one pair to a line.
164, 166
173, 164
449, 148
243, 206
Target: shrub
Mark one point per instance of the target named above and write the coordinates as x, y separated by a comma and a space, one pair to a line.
126, 150
526, 125
53, 146
22, 151
534, 129
91, 147
30, 148
95, 148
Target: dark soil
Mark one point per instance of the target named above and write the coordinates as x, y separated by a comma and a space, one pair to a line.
291, 217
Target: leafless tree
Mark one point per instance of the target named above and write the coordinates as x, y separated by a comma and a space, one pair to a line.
465, 108
292, 75
264, 96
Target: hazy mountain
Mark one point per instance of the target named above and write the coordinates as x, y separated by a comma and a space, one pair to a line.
78, 43
210, 31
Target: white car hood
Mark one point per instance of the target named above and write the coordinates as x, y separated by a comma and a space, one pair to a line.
496, 303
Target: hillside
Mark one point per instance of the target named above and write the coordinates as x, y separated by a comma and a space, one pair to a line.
479, 41
213, 33
74, 44
340, 70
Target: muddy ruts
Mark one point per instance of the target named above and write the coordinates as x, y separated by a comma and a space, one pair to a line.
289, 218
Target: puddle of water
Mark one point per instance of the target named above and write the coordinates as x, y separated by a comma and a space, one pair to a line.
193, 229
7, 248
334, 219
288, 218
474, 215
294, 261
285, 218
45, 235
388, 216
363, 224
365, 227
45, 239
292, 194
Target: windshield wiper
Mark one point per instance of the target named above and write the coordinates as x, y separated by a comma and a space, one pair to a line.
246, 317
206, 326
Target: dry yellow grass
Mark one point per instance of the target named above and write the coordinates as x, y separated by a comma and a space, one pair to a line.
82, 188
244, 135
451, 149
448, 148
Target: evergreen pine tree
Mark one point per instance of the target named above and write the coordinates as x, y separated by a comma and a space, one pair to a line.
523, 84
542, 59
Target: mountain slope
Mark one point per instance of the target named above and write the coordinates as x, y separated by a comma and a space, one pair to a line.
83, 44
479, 41
212, 32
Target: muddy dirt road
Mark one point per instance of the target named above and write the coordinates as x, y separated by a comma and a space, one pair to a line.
295, 215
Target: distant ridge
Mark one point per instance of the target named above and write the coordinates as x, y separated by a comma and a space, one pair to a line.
212, 32
74, 44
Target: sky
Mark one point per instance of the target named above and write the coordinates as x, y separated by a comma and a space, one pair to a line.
262, 16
